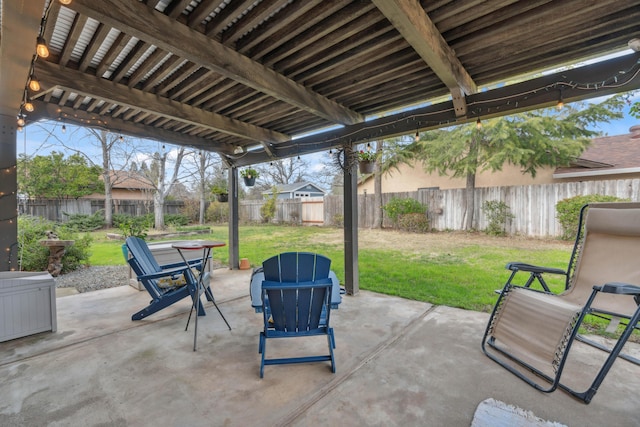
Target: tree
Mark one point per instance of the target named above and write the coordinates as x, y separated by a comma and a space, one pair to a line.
156, 174
57, 177
530, 140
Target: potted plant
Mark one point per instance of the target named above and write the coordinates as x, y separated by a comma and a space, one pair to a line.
221, 193
366, 161
249, 175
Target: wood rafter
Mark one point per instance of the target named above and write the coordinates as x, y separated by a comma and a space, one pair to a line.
134, 18
122, 95
410, 19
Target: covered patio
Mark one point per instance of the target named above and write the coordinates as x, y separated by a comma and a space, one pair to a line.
399, 362
257, 81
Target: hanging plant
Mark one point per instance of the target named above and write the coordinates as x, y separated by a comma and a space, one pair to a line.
249, 175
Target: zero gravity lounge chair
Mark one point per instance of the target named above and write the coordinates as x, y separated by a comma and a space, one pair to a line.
531, 332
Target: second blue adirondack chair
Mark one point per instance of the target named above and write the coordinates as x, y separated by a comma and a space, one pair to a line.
167, 284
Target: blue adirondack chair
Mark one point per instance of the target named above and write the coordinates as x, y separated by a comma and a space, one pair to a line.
166, 284
296, 302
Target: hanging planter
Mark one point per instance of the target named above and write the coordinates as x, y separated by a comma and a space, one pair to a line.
366, 161
366, 166
223, 197
249, 175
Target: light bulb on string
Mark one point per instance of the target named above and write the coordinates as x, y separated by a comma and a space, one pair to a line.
34, 84
28, 106
64, 128
121, 138
560, 103
478, 124
41, 47
417, 137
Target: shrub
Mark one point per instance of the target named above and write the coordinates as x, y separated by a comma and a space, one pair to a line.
176, 220
498, 213
217, 212
191, 210
414, 222
35, 257
84, 222
568, 211
338, 220
399, 207
268, 209
78, 254
133, 225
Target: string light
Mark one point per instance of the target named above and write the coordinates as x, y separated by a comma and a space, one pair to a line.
478, 124
34, 84
560, 104
41, 47
28, 106
417, 137
64, 128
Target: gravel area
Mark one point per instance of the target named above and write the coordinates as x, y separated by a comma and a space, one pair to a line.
94, 278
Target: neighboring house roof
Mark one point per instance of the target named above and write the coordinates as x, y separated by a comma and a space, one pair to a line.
296, 186
129, 180
608, 155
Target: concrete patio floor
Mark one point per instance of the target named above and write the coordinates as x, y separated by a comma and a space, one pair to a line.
399, 362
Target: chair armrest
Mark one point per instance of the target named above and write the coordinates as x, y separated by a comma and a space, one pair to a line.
165, 273
192, 263
618, 288
521, 266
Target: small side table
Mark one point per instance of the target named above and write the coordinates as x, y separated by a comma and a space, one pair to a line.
205, 246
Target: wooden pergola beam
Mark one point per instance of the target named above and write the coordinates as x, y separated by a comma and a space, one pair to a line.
133, 18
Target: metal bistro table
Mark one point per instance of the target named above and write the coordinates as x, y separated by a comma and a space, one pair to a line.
205, 246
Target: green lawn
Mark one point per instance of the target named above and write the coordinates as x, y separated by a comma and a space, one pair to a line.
453, 269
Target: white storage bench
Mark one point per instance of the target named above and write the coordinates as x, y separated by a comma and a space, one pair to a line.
27, 304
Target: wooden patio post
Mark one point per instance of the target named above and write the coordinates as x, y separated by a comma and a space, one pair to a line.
8, 195
234, 244
351, 279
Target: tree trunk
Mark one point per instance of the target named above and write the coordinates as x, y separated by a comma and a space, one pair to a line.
162, 190
106, 175
377, 187
469, 201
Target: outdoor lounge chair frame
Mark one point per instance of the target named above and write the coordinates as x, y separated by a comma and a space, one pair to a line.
513, 333
148, 272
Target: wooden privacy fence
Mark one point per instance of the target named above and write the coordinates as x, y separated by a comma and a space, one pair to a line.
534, 206
59, 210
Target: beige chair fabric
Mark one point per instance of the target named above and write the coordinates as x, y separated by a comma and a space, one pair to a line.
610, 253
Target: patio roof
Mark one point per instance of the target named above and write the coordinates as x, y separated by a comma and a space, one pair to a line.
223, 74
399, 362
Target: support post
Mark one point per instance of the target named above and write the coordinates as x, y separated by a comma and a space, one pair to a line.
8, 194
234, 220
351, 274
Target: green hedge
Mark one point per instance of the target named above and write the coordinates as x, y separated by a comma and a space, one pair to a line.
568, 211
